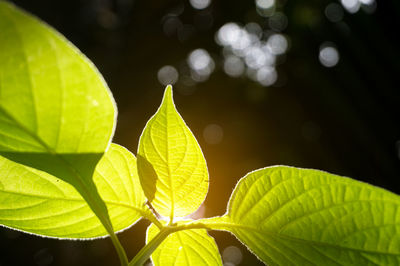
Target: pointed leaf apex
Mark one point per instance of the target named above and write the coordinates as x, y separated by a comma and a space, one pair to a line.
171, 165
168, 96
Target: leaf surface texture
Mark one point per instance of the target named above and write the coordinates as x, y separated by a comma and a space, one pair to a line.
187, 247
56, 112
36, 202
291, 216
171, 165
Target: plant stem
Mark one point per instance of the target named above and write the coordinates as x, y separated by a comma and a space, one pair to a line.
149, 215
146, 251
215, 223
120, 250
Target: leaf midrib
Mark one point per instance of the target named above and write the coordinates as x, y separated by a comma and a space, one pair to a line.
120, 204
225, 225
171, 215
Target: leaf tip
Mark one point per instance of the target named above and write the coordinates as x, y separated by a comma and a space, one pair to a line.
168, 100
168, 94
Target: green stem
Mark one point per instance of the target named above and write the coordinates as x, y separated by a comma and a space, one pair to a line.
120, 250
146, 251
215, 223
149, 215
221, 223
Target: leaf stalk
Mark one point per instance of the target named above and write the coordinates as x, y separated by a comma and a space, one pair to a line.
145, 253
120, 250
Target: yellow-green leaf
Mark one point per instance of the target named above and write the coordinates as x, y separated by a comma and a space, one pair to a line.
171, 165
291, 216
187, 247
36, 202
56, 112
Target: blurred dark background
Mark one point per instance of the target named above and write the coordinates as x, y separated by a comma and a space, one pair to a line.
311, 84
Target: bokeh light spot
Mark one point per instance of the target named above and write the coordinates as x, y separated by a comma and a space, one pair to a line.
200, 4
277, 44
171, 25
369, 6
265, 4
228, 34
328, 56
278, 22
367, 2
256, 57
167, 75
232, 254
352, 6
201, 65
234, 66
334, 12
265, 8
266, 76
199, 59
254, 29
245, 51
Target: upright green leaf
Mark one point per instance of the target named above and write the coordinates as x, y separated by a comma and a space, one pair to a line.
171, 166
56, 112
187, 247
290, 216
36, 202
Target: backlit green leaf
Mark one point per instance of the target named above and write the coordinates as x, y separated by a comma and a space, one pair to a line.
171, 166
187, 247
290, 216
36, 202
56, 112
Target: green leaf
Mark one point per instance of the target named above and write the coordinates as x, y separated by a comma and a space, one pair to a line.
171, 166
56, 112
291, 216
187, 247
36, 202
